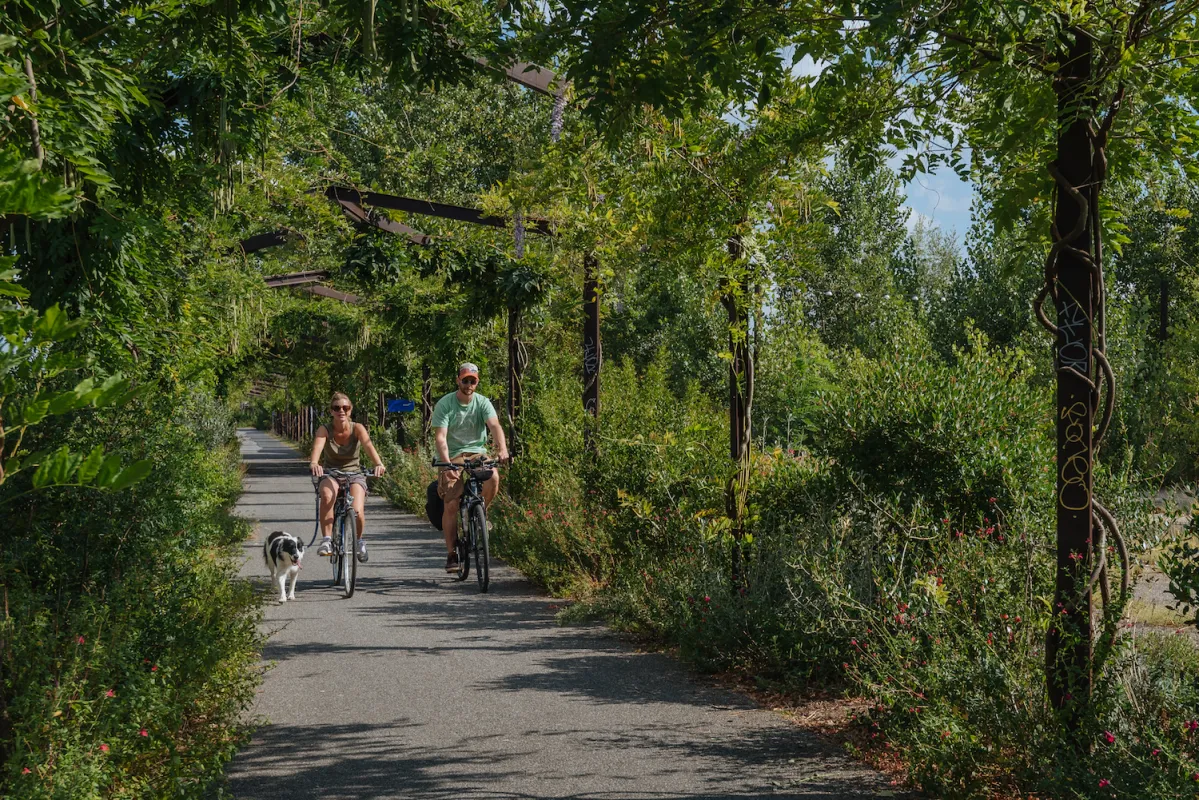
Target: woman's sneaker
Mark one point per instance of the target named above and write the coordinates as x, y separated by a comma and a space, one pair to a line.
363, 557
326, 547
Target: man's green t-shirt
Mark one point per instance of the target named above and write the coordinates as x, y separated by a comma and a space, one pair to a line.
466, 425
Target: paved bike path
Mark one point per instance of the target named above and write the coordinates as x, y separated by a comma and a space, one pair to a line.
421, 687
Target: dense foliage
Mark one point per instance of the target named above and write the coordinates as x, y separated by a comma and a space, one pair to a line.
736, 171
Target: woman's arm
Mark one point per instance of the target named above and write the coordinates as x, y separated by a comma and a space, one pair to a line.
364, 436
318, 445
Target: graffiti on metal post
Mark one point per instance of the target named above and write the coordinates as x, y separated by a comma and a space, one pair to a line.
1075, 470
1073, 351
590, 357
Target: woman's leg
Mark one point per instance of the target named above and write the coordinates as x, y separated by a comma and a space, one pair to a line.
358, 496
328, 493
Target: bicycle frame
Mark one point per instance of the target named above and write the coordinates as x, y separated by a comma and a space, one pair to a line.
472, 536
342, 557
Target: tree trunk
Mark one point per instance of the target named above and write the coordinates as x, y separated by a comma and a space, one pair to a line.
368, 29
1163, 331
1069, 649
592, 352
382, 411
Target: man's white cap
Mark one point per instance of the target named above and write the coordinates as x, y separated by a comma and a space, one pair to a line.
467, 368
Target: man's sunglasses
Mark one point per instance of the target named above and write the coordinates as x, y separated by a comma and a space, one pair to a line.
342, 408
471, 381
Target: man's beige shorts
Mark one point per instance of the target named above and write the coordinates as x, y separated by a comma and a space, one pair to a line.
449, 482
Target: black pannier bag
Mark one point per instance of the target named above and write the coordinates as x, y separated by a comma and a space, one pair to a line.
434, 505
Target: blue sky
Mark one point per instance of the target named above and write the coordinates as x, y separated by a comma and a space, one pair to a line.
942, 197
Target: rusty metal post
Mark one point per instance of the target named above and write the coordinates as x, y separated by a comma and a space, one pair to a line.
1068, 649
517, 361
592, 352
426, 402
741, 381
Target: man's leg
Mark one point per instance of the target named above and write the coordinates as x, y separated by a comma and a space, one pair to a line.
491, 488
449, 524
449, 486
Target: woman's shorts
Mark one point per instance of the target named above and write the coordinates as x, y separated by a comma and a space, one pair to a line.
359, 480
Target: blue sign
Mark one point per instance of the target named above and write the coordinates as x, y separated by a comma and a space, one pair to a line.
400, 406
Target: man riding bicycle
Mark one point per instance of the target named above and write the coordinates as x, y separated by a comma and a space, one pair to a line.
339, 446
461, 420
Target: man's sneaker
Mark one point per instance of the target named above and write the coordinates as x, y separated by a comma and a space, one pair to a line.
363, 556
451, 562
326, 547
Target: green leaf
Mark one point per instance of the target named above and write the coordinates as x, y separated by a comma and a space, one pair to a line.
108, 471
132, 474
55, 470
90, 467
114, 391
35, 411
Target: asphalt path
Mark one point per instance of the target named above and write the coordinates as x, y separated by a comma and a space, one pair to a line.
420, 686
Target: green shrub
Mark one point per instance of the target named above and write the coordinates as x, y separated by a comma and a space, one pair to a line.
129, 651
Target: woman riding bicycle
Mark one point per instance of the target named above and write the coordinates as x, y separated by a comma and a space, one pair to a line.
338, 447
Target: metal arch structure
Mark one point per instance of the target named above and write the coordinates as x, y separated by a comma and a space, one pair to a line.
354, 202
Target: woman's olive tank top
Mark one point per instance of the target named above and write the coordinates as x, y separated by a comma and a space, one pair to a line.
342, 456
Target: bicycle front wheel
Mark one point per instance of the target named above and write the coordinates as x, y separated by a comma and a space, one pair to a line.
479, 541
349, 548
462, 547
334, 556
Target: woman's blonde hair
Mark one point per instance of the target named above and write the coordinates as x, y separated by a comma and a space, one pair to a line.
339, 396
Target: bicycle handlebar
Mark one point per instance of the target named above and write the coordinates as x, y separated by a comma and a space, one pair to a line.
473, 464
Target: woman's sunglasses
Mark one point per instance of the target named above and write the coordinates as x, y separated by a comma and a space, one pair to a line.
342, 408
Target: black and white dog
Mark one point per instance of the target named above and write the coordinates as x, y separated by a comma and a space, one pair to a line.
283, 553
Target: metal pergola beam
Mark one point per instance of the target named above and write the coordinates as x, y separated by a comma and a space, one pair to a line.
325, 291
363, 217
262, 241
429, 208
296, 278
531, 76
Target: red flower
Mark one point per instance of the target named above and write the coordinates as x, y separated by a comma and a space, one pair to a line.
143, 732
80, 640
154, 668
26, 771
1104, 782
1109, 737
110, 693
103, 748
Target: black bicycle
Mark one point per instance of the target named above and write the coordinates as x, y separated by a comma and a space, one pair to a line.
345, 529
472, 519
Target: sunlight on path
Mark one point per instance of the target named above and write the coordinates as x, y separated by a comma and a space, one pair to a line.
420, 686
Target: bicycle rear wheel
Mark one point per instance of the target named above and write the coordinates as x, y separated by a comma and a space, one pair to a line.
479, 541
348, 539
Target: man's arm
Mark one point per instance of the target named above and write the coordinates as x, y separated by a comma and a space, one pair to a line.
497, 434
439, 444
